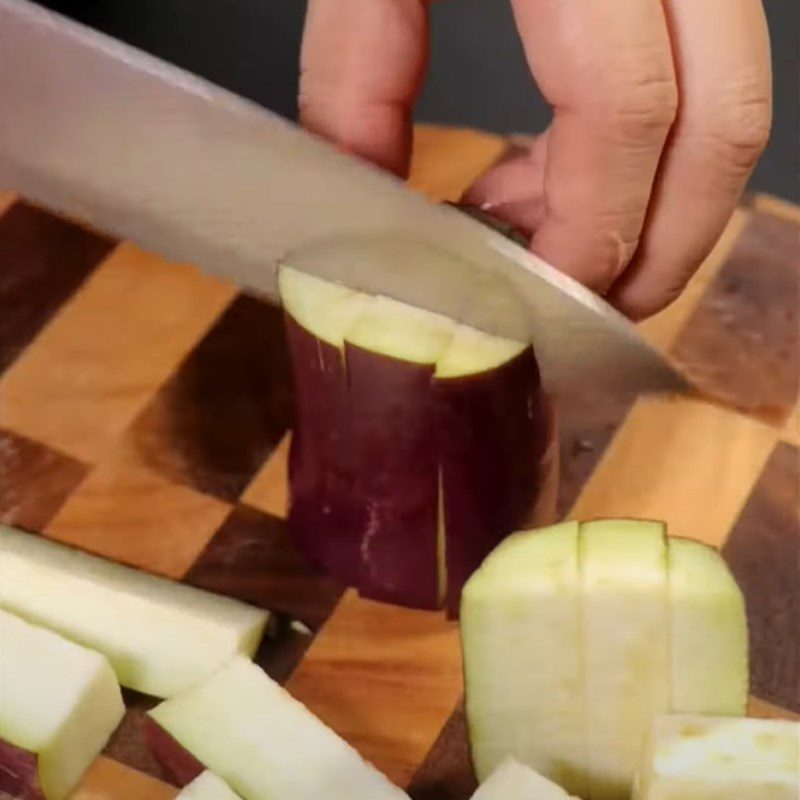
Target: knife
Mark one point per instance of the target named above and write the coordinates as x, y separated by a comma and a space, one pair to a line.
140, 149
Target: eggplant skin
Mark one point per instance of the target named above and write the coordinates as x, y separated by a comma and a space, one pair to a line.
375, 439
325, 516
19, 773
493, 429
179, 765
393, 436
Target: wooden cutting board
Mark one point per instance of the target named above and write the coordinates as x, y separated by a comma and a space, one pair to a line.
145, 413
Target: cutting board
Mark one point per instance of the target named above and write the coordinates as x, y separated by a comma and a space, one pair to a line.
145, 415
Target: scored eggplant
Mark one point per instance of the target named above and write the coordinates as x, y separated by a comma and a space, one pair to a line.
576, 636
419, 443
494, 431
325, 517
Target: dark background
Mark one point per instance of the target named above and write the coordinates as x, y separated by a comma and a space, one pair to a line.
478, 74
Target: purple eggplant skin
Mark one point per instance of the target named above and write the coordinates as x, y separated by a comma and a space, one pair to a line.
395, 446
179, 765
374, 436
19, 773
493, 429
326, 515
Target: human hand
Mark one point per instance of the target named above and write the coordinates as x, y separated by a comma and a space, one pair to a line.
661, 110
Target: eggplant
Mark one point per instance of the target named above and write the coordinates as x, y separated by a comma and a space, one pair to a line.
720, 758
419, 443
575, 637
208, 786
159, 636
246, 728
59, 704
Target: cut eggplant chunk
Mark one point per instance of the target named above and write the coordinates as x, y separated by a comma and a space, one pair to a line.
493, 428
59, 704
262, 742
691, 757
390, 354
623, 567
471, 352
325, 308
324, 513
394, 442
401, 332
418, 443
576, 636
207, 786
710, 671
514, 781
522, 640
159, 636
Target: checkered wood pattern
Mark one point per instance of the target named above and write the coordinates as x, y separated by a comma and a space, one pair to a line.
145, 415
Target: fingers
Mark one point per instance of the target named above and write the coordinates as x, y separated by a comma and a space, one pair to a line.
361, 67
722, 53
513, 189
606, 67
588, 187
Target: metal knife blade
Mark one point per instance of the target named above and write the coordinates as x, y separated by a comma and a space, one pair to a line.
101, 131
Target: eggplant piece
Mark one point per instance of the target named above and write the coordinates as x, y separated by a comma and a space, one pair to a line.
159, 636
208, 787
419, 443
19, 772
514, 781
494, 425
576, 636
397, 470
391, 354
59, 704
324, 513
720, 758
708, 628
522, 638
626, 656
266, 745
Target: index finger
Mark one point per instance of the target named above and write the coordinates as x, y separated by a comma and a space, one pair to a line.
362, 64
606, 67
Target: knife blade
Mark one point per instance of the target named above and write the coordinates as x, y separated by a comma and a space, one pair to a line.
98, 130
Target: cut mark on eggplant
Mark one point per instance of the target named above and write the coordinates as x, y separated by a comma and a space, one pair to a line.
441, 541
